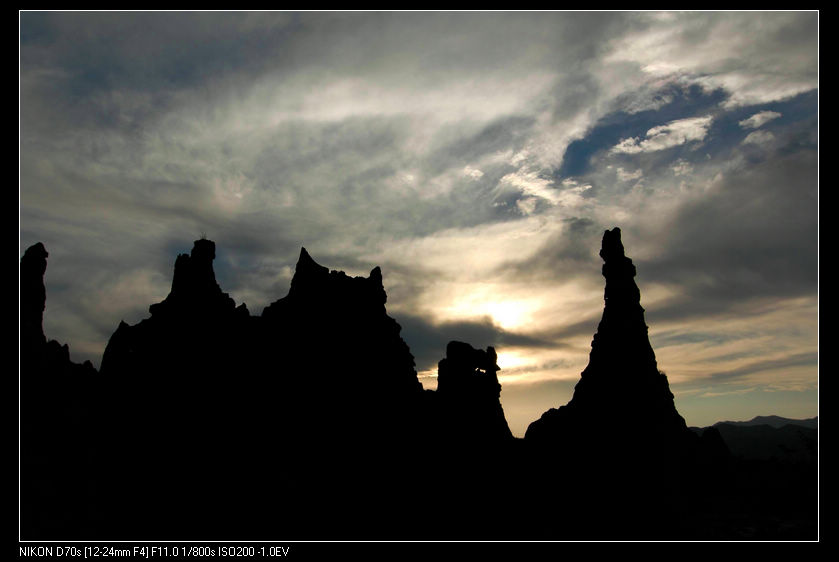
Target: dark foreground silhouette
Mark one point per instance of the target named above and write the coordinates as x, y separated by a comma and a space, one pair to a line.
308, 422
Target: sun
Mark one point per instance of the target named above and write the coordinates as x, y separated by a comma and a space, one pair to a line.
505, 314
505, 310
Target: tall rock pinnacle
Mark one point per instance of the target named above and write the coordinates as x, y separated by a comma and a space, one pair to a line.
33, 295
621, 387
621, 360
54, 417
40, 353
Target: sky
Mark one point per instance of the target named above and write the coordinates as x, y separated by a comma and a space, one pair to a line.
477, 157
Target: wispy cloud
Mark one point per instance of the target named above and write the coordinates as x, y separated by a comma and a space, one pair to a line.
477, 157
759, 119
672, 134
623, 175
706, 48
759, 138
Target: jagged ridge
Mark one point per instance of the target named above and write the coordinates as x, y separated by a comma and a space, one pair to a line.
315, 406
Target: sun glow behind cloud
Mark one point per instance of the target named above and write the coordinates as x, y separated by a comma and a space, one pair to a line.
488, 300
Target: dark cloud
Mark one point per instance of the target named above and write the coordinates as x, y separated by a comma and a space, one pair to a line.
428, 339
764, 239
508, 133
569, 254
152, 50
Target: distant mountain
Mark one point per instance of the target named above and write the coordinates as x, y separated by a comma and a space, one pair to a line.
774, 421
762, 442
769, 438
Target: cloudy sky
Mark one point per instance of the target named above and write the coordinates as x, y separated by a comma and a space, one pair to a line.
476, 157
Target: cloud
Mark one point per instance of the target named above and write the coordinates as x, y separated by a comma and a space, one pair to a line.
759, 119
682, 168
705, 48
666, 136
472, 173
527, 205
759, 138
530, 183
623, 175
468, 154
748, 372
428, 339
764, 239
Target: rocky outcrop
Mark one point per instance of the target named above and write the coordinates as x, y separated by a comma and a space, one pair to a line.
333, 324
187, 332
622, 404
56, 396
468, 393
308, 422
40, 356
619, 442
194, 287
321, 376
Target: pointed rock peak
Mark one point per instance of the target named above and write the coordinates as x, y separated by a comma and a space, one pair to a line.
306, 265
376, 276
304, 256
308, 274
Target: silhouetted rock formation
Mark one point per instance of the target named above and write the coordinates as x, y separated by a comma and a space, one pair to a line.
195, 311
309, 422
621, 429
621, 384
55, 416
41, 358
469, 394
194, 287
320, 377
181, 384
343, 321
33, 296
